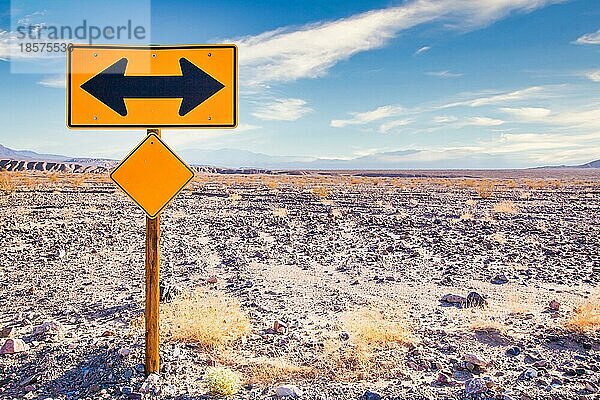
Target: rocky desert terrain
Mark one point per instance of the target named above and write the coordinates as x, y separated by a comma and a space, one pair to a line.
306, 286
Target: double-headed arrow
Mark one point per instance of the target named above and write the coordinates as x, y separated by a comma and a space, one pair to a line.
112, 87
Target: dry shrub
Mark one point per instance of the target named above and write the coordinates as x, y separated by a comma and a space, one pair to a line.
272, 371
280, 212
53, 178
78, 180
499, 237
586, 318
485, 189
511, 184
211, 319
506, 207
234, 197
373, 335
320, 191
7, 183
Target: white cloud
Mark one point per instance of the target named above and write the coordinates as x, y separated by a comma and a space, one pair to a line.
57, 81
589, 38
528, 113
517, 95
388, 126
444, 119
287, 54
593, 75
572, 119
483, 121
423, 50
443, 74
283, 110
368, 116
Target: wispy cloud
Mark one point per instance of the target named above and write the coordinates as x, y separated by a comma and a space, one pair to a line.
593, 75
483, 121
361, 118
283, 110
572, 119
288, 54
589, 38
57, 81
388, 126
422, 50
444, 74
502, 97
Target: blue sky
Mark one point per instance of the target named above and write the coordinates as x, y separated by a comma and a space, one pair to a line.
515, 81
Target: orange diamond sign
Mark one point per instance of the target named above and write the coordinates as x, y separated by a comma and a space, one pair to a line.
152, 175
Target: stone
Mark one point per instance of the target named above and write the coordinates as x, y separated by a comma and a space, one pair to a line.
280, 327
288, 391
453, 299
212, 280
7, 332
499, 279
12, 346
475, 386
368, 395
591, 387
513, 351
529, 373
554, 305
474, 299
476, 360
344, 336
127, 390
124, 351
443, 379
49, 330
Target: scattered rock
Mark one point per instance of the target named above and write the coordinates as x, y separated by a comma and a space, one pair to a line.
6, 332
368, 395
474, 299
529, 373
554, 305
12, 346
288, 391
476, 360
49, 330
591, 387
212, 280
124, 352
513, 351
499, 279
280, 327
453, 299
475, 386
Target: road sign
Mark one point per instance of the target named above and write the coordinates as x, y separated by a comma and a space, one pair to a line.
153, 86
152, 175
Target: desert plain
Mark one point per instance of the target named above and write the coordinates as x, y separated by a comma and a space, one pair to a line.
431, 285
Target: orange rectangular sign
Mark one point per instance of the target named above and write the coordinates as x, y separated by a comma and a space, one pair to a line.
121, 87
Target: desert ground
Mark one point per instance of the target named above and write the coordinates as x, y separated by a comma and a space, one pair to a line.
444, 286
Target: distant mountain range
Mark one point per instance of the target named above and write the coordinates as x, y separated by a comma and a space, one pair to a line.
231, 158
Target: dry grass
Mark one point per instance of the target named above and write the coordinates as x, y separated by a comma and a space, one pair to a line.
506, 207
7, 183
586, 318
280, 212
211, 319
272, 371
485, 189
320, 191
369, 351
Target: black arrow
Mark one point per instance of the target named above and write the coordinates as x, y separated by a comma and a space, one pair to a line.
112, 87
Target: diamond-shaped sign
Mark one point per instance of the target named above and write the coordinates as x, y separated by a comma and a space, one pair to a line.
152, 175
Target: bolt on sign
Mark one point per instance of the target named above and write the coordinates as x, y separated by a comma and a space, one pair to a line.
122, 87
152, 87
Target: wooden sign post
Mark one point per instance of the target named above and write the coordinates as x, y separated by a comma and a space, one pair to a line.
152, 290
